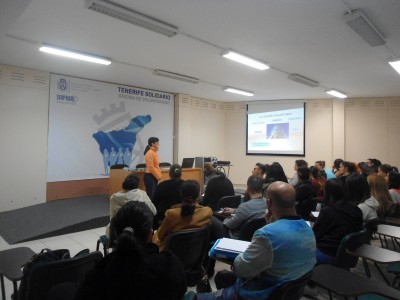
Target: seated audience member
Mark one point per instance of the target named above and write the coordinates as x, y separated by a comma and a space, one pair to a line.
357, 188
336, 166
254, 208
384, 169
325, 172
188, 214
393, 179
306, 197
258, 171
373, 164
168, 193
297, 164
336, 219
319, 182
217, 187
268, 261
274, 173
135, 269
130, 192
380, 202
209, 171
346, 168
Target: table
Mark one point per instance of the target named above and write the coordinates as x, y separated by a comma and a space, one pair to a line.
377, 255
11, 261
347, 284
392, 232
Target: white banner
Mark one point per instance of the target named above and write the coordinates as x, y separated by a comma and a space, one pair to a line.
94, 125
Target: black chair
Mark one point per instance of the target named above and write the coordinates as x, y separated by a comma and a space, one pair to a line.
229, 201
351, 242
190, 246
141, 166
44, 277
164, 164
119, 166
292, 290
249, 227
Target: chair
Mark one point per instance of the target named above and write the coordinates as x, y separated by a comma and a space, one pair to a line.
292, 290
351, 242
104, 241
141, 166
249, 227
229, 201
44, 277
119, 166
107, 242
164, 164
190, 246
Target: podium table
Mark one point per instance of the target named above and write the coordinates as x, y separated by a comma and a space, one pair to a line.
117, 177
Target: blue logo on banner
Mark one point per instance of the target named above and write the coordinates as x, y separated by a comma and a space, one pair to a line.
62, 84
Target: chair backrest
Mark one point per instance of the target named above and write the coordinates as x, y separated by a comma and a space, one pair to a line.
164, 164
351, 241
229, 201
119, 166
292, 290
249, 227
141, 166
190, 246
44, 277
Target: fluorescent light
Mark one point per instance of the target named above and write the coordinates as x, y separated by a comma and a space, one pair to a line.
237, 91
75, 55
364, 27
131, 16
303, 80
176, 76
232, 55
336, 94
395, 65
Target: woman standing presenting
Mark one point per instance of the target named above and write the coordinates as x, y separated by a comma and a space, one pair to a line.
153, 171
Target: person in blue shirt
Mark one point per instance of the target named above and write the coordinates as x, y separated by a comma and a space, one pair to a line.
281, 251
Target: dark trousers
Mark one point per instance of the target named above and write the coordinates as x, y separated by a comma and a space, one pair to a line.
150, 182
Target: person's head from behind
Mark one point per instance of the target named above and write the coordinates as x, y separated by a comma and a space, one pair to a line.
300, 163
346, 168
315, 172
175, 171
254, 185
320, 165
209, 169
131, 182
384, 169
335, 191
373, 162
393, 179
380, 191
303, 173
276, 172
336, 164
357, 188
152, 142
281, 199
259, 170
190, 192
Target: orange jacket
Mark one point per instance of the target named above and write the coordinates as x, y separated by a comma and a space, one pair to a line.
152, 163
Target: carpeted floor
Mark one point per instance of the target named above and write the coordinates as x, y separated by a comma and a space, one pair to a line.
54, 218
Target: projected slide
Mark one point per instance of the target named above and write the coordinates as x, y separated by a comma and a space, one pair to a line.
278, 132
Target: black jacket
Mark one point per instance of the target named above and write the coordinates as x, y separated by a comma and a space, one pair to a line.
218, 187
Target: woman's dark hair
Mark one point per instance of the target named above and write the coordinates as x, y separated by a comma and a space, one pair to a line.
335, 190
394, 180
132, 225
150, 142
275, 172
190, 191
303, 173
321, 163
349, 166
357, 188
301, 163
131, 182
337, 163
175, 171
385, 168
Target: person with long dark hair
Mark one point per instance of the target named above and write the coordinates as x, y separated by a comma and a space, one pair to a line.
153, 171
357, 188
135, 269
186, 215
168, 193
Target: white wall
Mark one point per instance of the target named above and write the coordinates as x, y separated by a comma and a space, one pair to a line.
24, 98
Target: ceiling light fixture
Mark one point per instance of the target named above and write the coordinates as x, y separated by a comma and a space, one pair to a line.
303, 80
336, 93
364, 27
395, 65
176, 76
75, 54
237, 91
129, 15
243, 59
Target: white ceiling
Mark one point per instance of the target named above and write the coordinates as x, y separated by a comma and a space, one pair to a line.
307, 37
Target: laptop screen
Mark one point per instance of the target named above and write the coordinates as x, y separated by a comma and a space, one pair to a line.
188, 162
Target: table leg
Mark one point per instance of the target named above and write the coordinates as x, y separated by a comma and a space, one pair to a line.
3, 291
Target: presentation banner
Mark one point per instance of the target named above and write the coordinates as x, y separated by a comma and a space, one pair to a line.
94, 125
